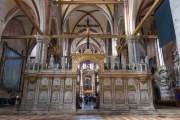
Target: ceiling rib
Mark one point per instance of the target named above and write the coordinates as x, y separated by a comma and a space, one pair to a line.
28, 16
78, 36
89, 13
87, 2
151, 10
82, 18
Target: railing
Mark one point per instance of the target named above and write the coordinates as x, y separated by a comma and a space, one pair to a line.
32, 66
139, 67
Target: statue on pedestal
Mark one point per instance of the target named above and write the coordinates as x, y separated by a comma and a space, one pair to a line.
73, 46
102, 46
63, 64
112, 62
147, 62
51, 62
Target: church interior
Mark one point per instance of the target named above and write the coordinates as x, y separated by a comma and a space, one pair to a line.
89, 57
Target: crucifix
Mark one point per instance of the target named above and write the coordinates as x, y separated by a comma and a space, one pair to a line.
87, 25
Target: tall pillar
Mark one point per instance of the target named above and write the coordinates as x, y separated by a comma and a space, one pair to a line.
175, 8
38, 48
46, 41
93, 83
132, 39
41, 49
81, 82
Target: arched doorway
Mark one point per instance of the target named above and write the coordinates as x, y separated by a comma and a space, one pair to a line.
88, 84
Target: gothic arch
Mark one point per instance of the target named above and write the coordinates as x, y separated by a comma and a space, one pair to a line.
95, 6
96, 58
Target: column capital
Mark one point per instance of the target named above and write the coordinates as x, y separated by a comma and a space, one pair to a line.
43, 39
133, 38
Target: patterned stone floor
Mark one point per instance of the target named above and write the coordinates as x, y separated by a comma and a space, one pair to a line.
86, 117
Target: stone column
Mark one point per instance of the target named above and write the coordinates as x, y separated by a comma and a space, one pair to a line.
46, 41
24, 93
62, 92
113, 93
74, 95
41, 49
126, 97
150, 89
101, 93
38, 48
81, 83
36, 95
175, 8
139, 106
93, 83
131, 39
49, 94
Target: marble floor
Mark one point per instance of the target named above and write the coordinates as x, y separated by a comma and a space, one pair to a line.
86, 117
165, 113
89, 106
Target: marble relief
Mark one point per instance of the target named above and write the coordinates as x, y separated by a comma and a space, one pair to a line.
44, 83
31, 86
132, 97
68, 97
43, 96
119, 96
143, 85
30, 96
68, 83
107, 82
107, 97
131, 82
56, 83
55, 96
144, 96
119, 84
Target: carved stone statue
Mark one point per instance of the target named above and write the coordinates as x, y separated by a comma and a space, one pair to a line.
102, 46
164, 84
112, 62
51, 62
73, 46
147, 61
29, 60
63, 64
176, 62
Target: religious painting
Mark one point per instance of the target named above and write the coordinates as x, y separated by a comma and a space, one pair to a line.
139, 68
143, 68
87, 83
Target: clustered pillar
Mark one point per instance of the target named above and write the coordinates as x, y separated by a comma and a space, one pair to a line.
42, 47
132, 39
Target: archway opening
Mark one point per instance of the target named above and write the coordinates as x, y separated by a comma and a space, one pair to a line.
88, 85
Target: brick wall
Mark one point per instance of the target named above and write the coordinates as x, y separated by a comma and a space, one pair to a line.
3, 4
13, 28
